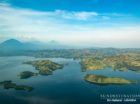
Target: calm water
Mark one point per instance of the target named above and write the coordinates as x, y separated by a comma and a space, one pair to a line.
65, 86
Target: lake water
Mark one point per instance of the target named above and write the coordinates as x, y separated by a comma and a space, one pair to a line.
65, 86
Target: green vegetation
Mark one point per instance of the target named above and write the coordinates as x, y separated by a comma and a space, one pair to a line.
45, 67
104, 80
122, 62
80, 53
96, 58
10, 85
26, 74
92, 64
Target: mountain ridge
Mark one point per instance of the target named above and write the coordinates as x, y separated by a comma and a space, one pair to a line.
14, 45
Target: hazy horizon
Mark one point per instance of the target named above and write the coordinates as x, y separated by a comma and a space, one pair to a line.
65, 46
98, 23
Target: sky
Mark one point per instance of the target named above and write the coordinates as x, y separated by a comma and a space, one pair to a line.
95, 23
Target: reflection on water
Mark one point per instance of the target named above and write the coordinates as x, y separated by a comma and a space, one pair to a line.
65, 86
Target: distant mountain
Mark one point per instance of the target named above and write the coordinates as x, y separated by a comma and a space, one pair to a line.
15, 45
11, 44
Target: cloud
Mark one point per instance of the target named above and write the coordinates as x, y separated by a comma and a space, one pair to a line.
85, 15
106, 37
76, 15
16, 22
105, 17
71, 27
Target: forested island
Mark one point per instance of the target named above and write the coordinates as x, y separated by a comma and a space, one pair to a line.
104, 80
27, 74
8, 84
44, 67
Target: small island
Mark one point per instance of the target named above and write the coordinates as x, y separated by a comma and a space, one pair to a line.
27, 74
45, 67
8, 84
104, 80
